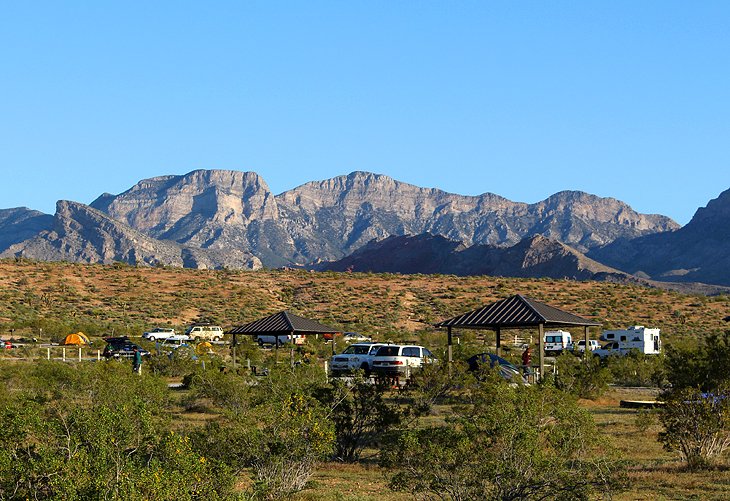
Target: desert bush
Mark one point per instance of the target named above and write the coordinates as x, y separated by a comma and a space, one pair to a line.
361, 415
637, 369
507, 443
697, 425
584, 378
272, 425
704, 366
92, 431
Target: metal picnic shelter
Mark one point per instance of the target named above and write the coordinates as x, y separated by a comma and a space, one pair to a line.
516, 312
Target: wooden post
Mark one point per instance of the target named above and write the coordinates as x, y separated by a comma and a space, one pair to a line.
291, 349
585, 337
48, 354
233, 346
541, 348
450, 342
499, 341
64, 354
79, 354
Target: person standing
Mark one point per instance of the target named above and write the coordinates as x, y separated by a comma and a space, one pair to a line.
137, 361
526, 359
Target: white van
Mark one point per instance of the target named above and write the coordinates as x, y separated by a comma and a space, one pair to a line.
205, 332
556, 342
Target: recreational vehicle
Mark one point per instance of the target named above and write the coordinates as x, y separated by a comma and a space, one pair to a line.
637, 337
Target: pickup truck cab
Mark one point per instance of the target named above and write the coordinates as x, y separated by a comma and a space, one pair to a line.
580, 346
613, 349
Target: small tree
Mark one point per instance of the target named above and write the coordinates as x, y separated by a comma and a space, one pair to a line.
360, 414
703, 367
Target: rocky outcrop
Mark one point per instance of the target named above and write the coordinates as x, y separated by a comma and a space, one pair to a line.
80, 233
698, 252
534, 257
17, 225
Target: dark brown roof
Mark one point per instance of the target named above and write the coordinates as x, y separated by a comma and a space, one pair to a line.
283, 323
516, 312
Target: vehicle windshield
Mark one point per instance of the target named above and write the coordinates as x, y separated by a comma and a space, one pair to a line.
356, 350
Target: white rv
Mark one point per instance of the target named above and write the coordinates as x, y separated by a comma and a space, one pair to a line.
557, 341
636, 337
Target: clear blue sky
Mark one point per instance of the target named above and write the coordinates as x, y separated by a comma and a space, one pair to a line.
523, 99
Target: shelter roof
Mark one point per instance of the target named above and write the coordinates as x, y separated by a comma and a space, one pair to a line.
516, 312
283, 322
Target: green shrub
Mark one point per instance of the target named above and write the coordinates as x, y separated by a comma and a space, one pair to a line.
509, 443
584, 378
697, 425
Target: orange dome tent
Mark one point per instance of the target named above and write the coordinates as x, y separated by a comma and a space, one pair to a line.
77, 339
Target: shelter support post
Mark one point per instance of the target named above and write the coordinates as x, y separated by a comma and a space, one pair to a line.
499, 341
541, 348
233, 345
291, 349
586, 347
450, 342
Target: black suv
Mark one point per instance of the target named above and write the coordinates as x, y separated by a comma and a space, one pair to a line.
121, 347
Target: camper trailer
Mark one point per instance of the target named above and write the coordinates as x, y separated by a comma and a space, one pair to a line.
636, 337
556, 342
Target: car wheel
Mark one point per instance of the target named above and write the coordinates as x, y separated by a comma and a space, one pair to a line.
151, 338
217, 338
278, 343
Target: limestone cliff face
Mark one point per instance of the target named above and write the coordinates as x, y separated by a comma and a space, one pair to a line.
80, 233
209, 209
348, 211
221, 216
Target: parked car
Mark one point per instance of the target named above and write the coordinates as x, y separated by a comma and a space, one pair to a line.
348, 337
400, 360
158, 333
279, 340
354, 337
205, 332
507, 369
580, 346
121, 347
356, 356
176, 339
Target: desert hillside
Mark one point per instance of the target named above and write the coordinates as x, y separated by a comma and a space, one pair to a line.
99, 299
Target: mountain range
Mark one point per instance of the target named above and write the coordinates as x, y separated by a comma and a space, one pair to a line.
219, 218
